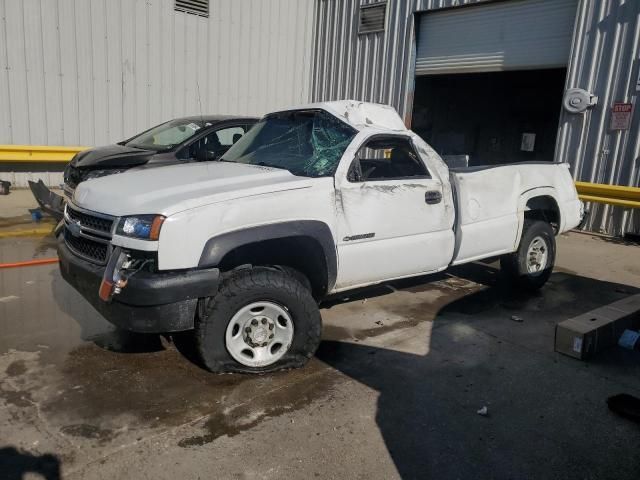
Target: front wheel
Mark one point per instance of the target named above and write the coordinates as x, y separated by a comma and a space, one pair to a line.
261, 320
531, 265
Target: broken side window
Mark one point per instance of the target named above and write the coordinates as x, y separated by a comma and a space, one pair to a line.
308, 143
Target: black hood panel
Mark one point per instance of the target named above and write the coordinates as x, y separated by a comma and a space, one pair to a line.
112, 156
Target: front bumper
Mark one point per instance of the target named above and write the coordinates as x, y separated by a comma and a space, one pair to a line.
151, 302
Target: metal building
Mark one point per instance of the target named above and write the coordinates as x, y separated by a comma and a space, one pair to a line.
92, 72
490, 78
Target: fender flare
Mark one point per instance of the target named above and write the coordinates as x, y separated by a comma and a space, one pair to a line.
217, 247
522, 204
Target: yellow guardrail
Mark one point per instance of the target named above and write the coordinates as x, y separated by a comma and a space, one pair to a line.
628, 197
37, 154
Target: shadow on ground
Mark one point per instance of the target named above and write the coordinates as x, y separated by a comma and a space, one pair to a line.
547, 414
19, 465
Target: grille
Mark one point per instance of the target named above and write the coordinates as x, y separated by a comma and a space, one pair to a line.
87, 248
195, 7
90, 221
372, 18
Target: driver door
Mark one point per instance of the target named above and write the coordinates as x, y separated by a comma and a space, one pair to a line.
394, 217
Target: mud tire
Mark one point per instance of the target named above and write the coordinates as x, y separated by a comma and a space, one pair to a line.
241, 288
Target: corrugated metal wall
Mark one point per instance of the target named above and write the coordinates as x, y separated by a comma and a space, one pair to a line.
604, 61
91, 72
376, 67
380, 67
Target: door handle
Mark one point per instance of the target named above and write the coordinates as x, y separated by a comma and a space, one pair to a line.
432, 197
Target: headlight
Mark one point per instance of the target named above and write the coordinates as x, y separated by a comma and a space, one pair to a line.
145, 227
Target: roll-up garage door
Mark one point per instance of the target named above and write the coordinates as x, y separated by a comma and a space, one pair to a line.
509, 35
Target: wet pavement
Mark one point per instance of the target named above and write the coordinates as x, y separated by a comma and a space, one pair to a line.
392, 393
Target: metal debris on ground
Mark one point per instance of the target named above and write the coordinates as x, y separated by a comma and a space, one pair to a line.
516, 318
484, 411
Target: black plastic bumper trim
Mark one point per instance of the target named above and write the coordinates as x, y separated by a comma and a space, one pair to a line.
151, 302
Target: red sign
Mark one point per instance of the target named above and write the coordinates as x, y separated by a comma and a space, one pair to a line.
621, 116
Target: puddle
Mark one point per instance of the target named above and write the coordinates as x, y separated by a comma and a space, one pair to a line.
299, 389
414, 301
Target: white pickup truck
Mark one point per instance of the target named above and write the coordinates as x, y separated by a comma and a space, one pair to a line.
310, 202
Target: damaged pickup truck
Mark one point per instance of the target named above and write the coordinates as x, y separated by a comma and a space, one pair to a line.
310, 202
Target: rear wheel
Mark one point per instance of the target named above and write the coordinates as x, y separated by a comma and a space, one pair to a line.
531, 265
261, 320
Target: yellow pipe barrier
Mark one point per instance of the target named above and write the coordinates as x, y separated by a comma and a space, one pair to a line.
37, 154
618, 195
621, 196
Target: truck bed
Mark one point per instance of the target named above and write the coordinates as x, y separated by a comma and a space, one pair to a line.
490, 202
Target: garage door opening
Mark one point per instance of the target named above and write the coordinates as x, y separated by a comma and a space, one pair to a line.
491, 117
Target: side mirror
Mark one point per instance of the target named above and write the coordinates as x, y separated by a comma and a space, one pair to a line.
354, 175
206, 155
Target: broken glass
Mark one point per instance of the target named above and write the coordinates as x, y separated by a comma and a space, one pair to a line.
308, 143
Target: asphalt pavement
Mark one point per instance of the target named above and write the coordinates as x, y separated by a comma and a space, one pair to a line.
393, 392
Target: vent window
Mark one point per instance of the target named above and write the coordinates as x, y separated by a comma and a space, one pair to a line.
372, 18
195, 7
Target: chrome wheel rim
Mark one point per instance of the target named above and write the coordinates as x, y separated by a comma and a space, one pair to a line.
259, 334
537, 255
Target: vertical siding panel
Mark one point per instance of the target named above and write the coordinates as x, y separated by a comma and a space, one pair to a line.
69, 69
100, 55
32, 31
190, 106
225, 71
85, 72
156, 58
52, 78
248, 38
6, 135
114, 69
179, 66
204, 58
141, 75
19, 100
302, 56
166, 61
213, 60
129, 68
264, 65
233, 70
196, 53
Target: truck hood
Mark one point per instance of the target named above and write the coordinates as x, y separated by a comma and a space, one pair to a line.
172, 189
112, 156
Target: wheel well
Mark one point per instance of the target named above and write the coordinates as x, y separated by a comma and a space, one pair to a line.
543, 208
302, 253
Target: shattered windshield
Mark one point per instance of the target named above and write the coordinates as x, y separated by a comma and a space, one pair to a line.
167, 135
308, 143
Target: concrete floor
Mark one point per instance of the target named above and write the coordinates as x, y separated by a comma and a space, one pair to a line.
392, 393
